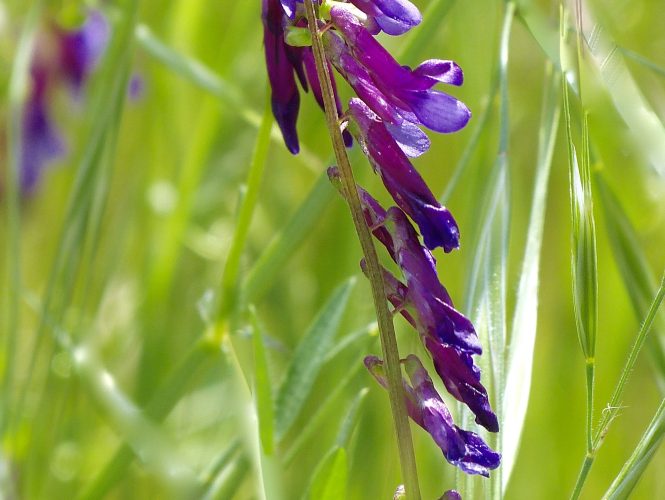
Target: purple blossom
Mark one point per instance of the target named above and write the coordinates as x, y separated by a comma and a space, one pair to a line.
404, 183
41, 143
284, 63
82, 49
395, 17
408, 91
76, 54
425, 406
462, 379
285, 97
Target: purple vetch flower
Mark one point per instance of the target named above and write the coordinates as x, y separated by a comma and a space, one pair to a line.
462, 379
285, 96
82, 49
40, 142
284, 63
409, 91
404, 183
60, 56
461, 448
395, 17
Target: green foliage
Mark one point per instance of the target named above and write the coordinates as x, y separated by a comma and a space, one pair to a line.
160, 282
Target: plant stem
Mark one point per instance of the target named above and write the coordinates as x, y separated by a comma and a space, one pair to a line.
384, 318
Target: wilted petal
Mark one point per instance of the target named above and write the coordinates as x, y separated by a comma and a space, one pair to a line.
461, 448
462, 379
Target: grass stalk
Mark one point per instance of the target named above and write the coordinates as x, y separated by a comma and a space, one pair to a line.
384, 317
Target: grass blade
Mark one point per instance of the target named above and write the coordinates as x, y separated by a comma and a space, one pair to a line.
634, 269
330, 477
525, 319
308, 359
229, 288
613, 407
262, 389
284, 244
633, 469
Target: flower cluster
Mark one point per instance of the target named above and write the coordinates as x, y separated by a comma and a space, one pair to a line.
60, 57
393, 102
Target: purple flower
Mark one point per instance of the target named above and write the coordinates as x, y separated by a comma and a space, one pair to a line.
395, 17
41, 143
408, 91
76, 54
404, 183
462, 379
461, 448
284, 62
285, 97
82, 49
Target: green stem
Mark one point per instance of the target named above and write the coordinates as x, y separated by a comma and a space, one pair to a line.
384, 318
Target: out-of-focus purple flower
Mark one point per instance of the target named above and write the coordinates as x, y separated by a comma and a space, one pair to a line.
461, 448
408, 91
395, 17
60, 56
82, 49
404, 183
40, 142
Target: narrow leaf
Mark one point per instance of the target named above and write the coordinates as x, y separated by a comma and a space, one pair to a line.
525, 319
285, 243
308, 359
633, 469
634, 268
263, 389
330, 477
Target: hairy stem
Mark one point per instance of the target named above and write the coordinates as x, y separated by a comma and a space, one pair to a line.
384, 318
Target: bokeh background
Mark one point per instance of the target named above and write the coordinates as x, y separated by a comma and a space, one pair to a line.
108, 389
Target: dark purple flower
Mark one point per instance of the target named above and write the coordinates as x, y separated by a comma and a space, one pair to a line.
461, 448
404, 183
284, 62
81, 49
409, 91
436, 315
462, 379
285, 97
451, 495
395, 17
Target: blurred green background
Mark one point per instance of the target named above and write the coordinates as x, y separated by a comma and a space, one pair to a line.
122, 248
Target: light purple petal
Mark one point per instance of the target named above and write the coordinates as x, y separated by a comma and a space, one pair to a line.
438, 111
441, 71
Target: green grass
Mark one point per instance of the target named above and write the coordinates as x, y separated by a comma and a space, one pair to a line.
179, 317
